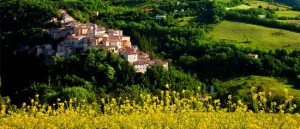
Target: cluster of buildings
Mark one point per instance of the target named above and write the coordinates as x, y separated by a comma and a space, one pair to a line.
75, 36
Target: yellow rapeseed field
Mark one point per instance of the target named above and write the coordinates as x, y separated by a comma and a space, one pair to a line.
168, 110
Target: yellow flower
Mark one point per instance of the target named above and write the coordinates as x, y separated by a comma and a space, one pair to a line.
167, 86
161, 92
286, 90
229, 96
199, 88
24, 104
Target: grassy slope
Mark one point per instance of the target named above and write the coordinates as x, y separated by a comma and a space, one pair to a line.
292, 14
291, 21
274, 85
288, 13
260, 37
256, 4
264, 4
242, 6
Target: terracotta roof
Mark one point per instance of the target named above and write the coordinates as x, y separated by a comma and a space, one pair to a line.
114, 37
141, 62
130, 52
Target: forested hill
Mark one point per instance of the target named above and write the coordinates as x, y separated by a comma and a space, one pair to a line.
293, 3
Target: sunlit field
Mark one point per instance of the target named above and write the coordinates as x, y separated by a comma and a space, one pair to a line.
256, 4
292, 14
291, 21
255, 36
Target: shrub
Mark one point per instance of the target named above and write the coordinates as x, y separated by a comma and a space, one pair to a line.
79, 93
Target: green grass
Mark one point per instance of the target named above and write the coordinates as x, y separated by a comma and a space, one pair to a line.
242, 6
275, 85
291, 21
255, 36
288, 13
256, 4
182, 21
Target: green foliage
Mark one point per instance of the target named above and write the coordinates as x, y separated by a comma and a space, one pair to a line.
46, 93
294, 3
214, 60
76, 81
157, 77
146, 43
79, 93
212, 12
21, 14
107, 69
133, 92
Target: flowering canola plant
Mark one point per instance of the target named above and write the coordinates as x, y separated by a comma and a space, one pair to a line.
170, 109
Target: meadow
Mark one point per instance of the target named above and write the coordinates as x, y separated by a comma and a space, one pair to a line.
255, 4
242, 6
255, 36
292, 14
291, 21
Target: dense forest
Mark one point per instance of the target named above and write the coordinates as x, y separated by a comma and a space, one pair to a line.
195, 60
294, 3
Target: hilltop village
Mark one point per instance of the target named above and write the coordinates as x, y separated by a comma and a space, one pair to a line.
77, 36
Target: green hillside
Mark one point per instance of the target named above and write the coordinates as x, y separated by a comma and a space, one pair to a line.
294, 3
275, 85
256, 4
263, 4
242, 6
248, 35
